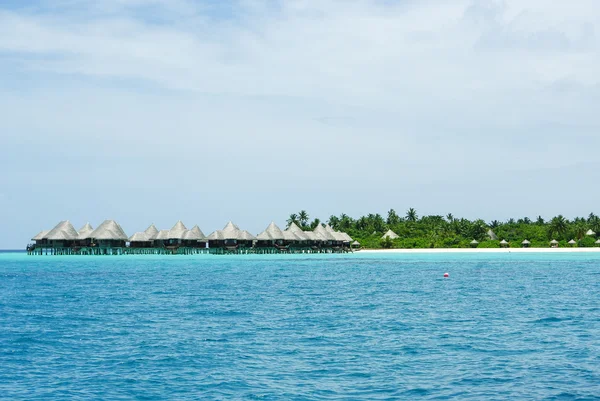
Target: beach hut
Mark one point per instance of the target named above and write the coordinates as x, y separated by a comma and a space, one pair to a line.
504, 243
176, 233
355, 244
390, 234
109, 234
194, 238
151, 232
474, 243
572, 242
590, 233
140, 240
526, 244
554, 243
63, 235
597, 242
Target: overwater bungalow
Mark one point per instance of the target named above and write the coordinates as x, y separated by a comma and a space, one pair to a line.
108, 238
230, 239
176, 233
62, 236
160, 239
194, 238
271, 237
41, 239
83, 239
151, 232
140, 240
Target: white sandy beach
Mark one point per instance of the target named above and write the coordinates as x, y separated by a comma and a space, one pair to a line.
484, 250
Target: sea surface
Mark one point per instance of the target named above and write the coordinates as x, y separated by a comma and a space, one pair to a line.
347, 327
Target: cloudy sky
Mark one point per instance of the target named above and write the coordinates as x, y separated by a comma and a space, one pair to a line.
206, 111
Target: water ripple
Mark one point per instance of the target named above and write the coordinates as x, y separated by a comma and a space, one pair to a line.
297, 327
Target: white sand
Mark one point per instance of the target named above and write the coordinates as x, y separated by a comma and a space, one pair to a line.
484, 250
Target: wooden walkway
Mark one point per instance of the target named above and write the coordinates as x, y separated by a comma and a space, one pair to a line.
184, 251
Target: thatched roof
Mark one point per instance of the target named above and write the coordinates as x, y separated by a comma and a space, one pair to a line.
390, 234
109, 230
297, 231
63, 231
474, 242
338, 236
356, 243
598, 242
554, 242
230, 232
311, 236
162, 235
177, 231
504, 242
85, 231
195, 234
246, 236
347, 238
326, 235
492, 235
291, 236
590, 232
271, 233
215, 236
572, 242
41, 235
151, 232
328, 228
525, 242
139, 237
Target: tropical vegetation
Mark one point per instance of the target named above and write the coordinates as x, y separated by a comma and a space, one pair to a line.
436, 231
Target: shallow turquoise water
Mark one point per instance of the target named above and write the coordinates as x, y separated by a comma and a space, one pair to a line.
504, 326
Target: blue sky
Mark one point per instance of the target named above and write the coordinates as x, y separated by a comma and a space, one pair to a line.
206, 111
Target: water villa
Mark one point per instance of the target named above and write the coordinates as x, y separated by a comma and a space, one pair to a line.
109, 238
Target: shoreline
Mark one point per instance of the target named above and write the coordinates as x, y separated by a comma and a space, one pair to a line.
483, 250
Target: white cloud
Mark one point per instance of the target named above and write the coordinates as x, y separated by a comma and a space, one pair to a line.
296, 90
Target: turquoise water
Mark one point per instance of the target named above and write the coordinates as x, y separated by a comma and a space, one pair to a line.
357, 327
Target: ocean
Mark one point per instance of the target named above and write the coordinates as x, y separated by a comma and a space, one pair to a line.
315, 327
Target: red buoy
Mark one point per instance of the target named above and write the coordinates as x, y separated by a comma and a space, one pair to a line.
446, 275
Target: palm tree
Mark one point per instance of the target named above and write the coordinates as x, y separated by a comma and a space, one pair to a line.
558, 226
494, 224
334, 222
392, 218
450, 217
411, 215
314, 224
292, 219
540, 221
303, 218
580, 230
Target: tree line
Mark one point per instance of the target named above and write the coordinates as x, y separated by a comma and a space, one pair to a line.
436, 231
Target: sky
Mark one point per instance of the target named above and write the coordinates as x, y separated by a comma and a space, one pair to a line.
209, 111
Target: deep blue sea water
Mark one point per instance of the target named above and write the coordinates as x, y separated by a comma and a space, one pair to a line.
356, 327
